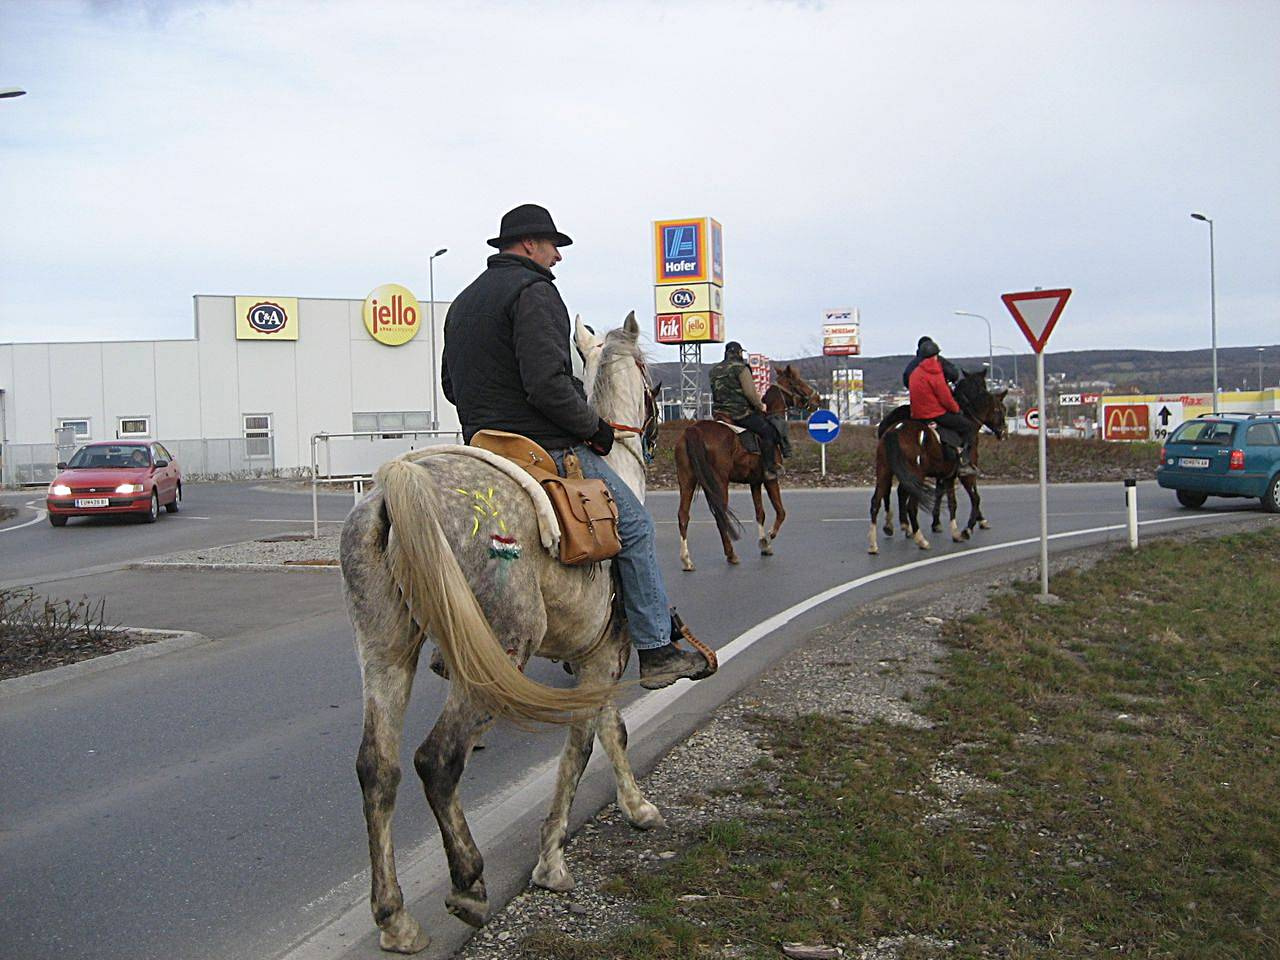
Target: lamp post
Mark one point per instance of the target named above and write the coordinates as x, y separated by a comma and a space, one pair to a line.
435, 374
1011, 353
990, 353
1260, 349
1213, 307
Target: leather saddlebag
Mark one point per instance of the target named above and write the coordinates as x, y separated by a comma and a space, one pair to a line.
585, 508
588, 519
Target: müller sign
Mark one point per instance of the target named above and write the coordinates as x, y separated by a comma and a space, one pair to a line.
392, 314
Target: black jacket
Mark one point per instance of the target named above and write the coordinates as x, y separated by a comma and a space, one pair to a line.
506, 357
949, 370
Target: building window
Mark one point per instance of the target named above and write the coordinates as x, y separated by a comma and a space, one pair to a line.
257, 435
134, 427
392, 425
81, 427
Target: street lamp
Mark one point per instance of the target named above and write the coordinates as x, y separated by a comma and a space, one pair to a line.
1260, 349
435, 374
990, 353
12, 92
1015, 362
1213, 307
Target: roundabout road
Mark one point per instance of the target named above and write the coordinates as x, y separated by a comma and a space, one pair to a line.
204, 803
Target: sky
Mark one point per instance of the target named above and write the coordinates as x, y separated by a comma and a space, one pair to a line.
905, 159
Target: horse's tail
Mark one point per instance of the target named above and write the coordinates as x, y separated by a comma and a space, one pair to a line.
906, 478
727, 521
421, 562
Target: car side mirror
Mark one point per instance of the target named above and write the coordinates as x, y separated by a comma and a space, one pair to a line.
161, 463
62, 464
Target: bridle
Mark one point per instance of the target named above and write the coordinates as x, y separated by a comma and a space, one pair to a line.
647, 431
797, 399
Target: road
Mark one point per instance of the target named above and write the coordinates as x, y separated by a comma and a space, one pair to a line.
203, 804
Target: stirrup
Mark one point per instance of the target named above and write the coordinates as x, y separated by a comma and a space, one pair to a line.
680, 632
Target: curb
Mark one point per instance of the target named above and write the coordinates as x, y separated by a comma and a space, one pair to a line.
234, 567
174, 641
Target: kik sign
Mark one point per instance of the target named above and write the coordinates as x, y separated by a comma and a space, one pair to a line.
392, 314
688, 251
266, 318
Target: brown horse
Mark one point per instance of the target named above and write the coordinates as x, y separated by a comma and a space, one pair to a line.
912, 452
710, 455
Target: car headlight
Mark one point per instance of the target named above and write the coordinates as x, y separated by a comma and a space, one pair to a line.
129, 488
60, 490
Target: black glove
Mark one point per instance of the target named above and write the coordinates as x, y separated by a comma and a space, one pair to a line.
602, 440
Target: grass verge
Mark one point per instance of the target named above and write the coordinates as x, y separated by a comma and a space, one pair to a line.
1100, 779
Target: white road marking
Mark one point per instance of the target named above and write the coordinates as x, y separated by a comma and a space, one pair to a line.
272, 520
41, 513
425, 865
845, 520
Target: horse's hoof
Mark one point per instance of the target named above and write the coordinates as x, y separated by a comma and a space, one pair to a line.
646, 817
888, 531
557, 879
766, 550
936, 528
403, 935
873, 551
733, 560
470, 906
964, 535
983, 524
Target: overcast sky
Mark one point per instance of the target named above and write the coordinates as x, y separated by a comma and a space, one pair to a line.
907, 159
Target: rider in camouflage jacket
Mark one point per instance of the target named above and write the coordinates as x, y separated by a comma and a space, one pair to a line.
734, 395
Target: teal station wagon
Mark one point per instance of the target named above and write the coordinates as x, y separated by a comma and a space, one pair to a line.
1224, 455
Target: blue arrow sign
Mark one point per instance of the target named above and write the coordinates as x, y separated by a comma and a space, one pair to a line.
824, 426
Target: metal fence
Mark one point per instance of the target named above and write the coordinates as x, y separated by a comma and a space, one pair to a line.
219, 457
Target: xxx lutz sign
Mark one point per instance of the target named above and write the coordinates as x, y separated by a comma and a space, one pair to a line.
392, 314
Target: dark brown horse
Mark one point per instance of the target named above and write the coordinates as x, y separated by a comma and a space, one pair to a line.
710, 455
911, 451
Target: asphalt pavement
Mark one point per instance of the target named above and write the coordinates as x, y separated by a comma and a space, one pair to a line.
203, 803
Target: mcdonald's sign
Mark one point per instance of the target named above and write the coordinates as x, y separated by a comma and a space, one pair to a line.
1126, 421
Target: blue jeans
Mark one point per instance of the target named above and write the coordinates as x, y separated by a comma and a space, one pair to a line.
644, 598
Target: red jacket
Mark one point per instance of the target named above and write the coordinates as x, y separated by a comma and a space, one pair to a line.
930, 395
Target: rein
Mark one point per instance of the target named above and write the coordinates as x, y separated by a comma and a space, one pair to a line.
651, 412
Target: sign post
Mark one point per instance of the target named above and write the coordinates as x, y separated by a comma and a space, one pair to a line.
1036, 312
824, 426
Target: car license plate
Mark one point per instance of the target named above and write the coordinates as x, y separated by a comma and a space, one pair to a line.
1199, 462
95, 502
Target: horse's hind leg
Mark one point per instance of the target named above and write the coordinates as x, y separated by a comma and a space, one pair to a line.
936, 525
958, 535
551, 871
440, 761
906, 512
386, 692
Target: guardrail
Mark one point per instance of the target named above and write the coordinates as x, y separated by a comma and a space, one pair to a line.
358, 481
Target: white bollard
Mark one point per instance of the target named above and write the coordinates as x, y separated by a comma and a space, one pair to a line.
1131, 502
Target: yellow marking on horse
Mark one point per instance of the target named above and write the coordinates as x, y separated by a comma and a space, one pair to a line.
484, 507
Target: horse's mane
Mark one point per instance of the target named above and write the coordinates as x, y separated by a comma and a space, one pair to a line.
618, 345
971, 389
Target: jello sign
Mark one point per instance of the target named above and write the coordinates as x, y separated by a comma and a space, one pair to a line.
391, 314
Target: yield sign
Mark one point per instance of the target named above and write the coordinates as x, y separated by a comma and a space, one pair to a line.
1036, 312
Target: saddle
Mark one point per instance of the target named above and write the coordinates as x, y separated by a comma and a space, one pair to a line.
952, 442
750, 441
585, 508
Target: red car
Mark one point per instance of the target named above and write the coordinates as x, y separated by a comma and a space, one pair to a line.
116, 477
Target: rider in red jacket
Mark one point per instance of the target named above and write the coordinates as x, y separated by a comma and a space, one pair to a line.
931, 399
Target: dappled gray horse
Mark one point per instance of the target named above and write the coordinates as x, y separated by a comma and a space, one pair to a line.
447, 548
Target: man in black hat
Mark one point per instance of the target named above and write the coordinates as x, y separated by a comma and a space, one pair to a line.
734, 395
507, 366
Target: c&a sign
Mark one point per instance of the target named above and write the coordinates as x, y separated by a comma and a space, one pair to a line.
392, 315
1126, 421
266, 318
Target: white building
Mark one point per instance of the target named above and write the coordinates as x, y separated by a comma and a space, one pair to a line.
232, 399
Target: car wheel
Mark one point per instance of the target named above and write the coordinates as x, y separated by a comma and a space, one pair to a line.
1271, 502
57, 521
1192, 500
155, 508
176, 505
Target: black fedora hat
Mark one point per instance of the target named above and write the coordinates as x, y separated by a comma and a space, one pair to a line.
528, 220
